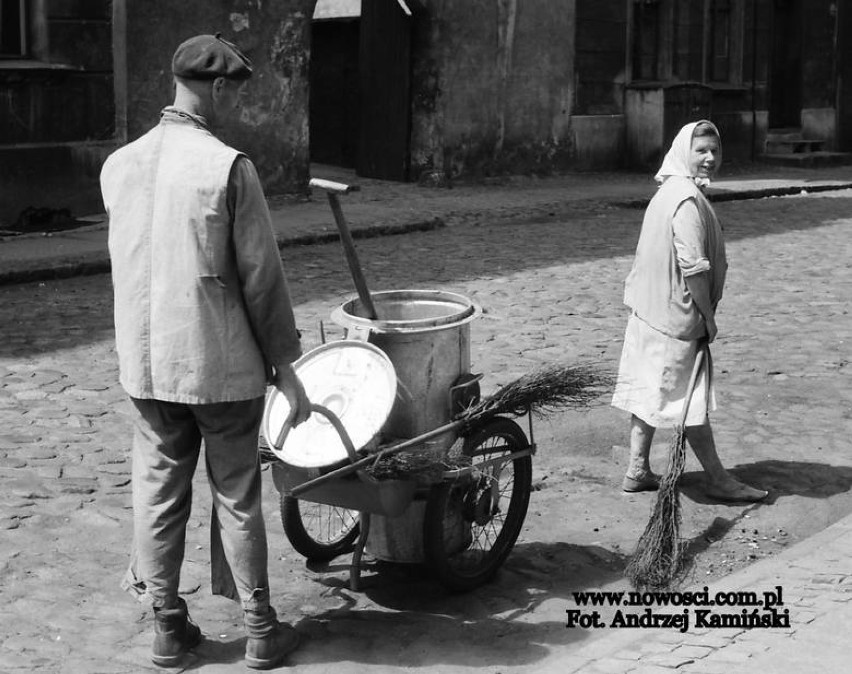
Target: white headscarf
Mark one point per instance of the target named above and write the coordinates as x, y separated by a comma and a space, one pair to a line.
676, 161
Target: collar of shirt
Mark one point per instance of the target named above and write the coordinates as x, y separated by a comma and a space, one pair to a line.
172, 114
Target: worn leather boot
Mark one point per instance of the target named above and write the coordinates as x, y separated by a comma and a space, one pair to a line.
174, 635
269, 641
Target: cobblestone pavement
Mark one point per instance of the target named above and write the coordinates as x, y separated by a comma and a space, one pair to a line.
551, 291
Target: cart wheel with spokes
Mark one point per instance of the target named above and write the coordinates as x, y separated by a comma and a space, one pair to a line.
472, 524
318, 531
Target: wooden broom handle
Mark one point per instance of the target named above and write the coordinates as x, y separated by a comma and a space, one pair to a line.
703, 347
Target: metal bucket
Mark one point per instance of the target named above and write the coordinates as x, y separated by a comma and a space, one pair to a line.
426, 335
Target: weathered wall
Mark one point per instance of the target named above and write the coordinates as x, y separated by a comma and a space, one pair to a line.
645, 108
273, 122
493, 85
599, 141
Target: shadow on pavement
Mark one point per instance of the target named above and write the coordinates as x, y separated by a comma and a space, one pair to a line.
515, 619
460, 254
780, 478
799, 478
212, 651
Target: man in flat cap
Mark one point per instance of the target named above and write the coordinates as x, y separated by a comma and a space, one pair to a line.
203, 323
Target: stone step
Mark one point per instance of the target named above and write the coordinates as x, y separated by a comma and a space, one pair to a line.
808, 159
793, 146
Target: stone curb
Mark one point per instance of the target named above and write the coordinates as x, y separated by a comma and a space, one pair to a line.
731, 195
98, 263
743, 195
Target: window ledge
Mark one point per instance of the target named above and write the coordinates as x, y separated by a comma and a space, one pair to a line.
32, 64
729, 88
665, 84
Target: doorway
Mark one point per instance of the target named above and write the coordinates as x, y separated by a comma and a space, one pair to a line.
360, 87
335, 93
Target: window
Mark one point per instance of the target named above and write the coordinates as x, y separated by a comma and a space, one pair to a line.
13, 29
719, 42
646, 39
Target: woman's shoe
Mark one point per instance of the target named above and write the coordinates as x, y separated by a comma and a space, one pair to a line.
647, 482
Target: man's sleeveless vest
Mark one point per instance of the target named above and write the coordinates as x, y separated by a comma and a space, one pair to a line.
182, 332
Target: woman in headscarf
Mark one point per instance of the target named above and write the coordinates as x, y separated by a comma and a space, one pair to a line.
672, 290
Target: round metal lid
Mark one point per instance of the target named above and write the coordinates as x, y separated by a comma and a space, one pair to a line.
354, 380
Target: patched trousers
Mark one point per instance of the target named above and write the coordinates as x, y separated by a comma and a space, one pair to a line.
166, 447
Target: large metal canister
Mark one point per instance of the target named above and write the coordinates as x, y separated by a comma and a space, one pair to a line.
426, 335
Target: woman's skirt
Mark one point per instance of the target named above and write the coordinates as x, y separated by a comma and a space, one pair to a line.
654, 374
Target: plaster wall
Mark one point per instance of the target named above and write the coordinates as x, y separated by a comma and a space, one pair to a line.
821, 124
643, 109
598, 141
738, 132
272, 125
493, 86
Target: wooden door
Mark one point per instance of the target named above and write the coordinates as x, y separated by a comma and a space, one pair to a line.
334, 103
785, 85
385, 76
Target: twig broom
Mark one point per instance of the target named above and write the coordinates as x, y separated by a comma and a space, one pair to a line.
658, 559
545, 390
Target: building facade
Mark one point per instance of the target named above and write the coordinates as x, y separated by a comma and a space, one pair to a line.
420, 89
78, 78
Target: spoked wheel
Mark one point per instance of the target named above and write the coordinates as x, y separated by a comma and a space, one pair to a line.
471, 525
317, 531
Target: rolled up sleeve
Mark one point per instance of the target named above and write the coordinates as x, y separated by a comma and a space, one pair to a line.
689, 239
264, 286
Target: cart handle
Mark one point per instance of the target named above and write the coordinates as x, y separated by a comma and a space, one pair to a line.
355, 466
331, 186
332, 189
333, 419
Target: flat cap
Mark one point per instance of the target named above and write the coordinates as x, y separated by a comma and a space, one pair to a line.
206, 57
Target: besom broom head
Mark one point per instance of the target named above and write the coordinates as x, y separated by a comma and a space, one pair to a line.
658, 561
544, 391
541, 392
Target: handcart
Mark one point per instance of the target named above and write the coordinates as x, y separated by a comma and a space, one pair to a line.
399, 385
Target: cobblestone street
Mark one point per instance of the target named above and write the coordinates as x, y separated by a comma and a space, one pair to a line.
551, 292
